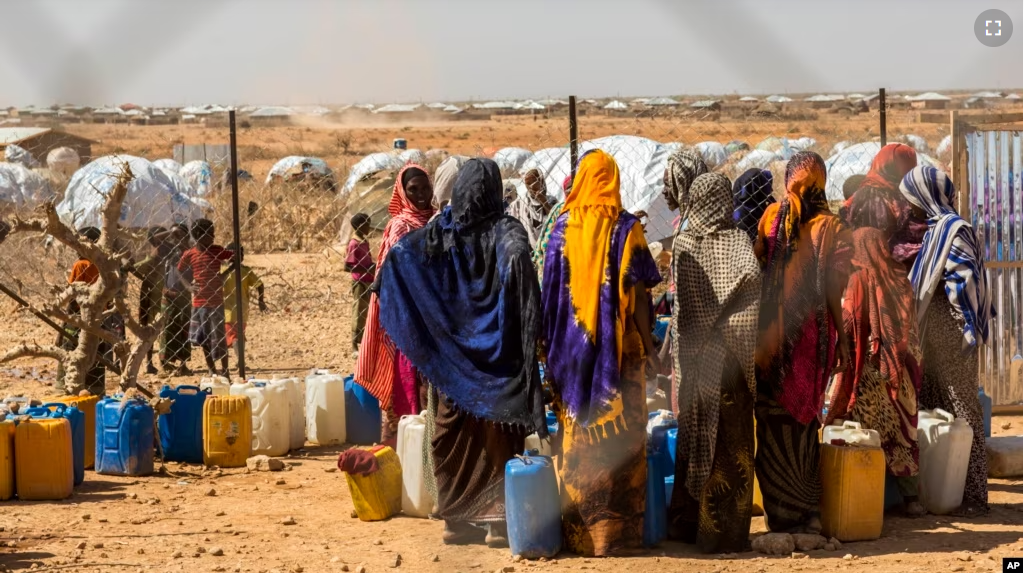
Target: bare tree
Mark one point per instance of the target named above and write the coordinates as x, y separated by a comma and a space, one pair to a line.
97, 301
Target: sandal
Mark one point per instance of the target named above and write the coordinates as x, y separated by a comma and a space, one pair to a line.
461, 533
497, 536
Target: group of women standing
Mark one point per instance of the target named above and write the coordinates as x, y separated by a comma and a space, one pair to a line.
781, 308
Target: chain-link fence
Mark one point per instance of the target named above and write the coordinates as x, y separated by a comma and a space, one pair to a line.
304, 172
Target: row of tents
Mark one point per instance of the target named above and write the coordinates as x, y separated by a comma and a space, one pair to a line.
164, 192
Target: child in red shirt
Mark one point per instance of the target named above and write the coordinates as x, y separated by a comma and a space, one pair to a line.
203, 262
360, 263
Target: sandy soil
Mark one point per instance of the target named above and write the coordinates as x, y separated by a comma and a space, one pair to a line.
169, 522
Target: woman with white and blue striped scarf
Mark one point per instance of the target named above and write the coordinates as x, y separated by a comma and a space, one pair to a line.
953, 320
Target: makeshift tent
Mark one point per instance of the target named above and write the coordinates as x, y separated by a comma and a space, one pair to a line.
616, 105
748, 99
944, 149
736, 146
372, 163
298, 168
272, 111
756, 159
63, 160
412, 156
199, 176
168, 165
778, 99
21, 187
155, 198
839, 147
641, 170
511, 159
16, 154
713, 153
803, 144
915, 141
856, 160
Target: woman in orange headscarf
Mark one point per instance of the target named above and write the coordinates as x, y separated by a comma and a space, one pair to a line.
804, 253
878, 202
381, 369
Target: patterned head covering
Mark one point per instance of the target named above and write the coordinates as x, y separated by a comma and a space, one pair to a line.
444, 179
805, 195
751, 195
950, 255
889, 166
683, 167
718, 276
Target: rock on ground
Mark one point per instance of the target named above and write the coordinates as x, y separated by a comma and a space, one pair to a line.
263, 463
774, 544
808, 541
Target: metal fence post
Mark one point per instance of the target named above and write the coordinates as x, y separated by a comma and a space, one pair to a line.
881, 115
573, 138
237, 232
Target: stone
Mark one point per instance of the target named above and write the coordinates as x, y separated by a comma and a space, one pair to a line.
176, 555
394, 560
288, 521
1006, 425
330, 469
847, 557
435, 558
808, 541
216, 551
360, 569
829, 547
280, 481
378, 542
507, 569
958, 568
201, 550
798, 555
963, 556
343, 568
97, 545
517, 558
86, 517
210, 492
835, 542
220, 514
774, 544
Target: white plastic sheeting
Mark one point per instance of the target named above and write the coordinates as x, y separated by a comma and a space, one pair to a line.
63, 160
641, 164
17, 154
511, 159
856, 160
915, 141
168, 165
369, 165
839, 147
316, 165
944, 148
803, 144
199, 176
155, 197
412, 156
713, 153
756, 159
22, 187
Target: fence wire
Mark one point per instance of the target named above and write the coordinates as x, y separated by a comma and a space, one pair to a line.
302, 177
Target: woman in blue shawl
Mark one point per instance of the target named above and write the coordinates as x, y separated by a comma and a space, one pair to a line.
751, 195
463, 307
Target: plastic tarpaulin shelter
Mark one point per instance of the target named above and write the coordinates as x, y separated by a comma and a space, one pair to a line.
944, 149
856, 160
756, 159
511, 159
23, 188
199, 177
63, 160
168, 165
16, 154
641, 171
916, 141
412, 156
310, 166
839, 147
372, 163
155, 197
713, 153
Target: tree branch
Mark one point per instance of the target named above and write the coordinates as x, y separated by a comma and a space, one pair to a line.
25, 350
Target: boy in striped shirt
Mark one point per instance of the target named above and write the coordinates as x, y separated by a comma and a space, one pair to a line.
203, 262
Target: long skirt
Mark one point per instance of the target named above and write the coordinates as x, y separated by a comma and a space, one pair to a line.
951, 383
719, 522
896, 423
787, 466
604, 476
469, 464
174, 342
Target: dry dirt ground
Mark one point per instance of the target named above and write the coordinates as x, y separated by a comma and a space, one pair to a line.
169, 522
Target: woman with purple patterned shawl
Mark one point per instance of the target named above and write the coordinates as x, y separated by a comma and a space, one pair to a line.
596, 334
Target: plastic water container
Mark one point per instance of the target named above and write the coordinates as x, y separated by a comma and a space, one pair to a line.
7, 430
945, 450
227, 431
45, 469
77, 420
362, 414
124, 437
851, 433
658, 425
325, 408
986, 411
852, 492
378, 496
181, 430
296, 412
217, 385
416, 500
655, 509
670, 486
532, 506
271, 425
671, 444
87, 404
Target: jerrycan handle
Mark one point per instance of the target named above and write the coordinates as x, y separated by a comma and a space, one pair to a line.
940, 413
193, 389
59, 408
850, 424
38, 412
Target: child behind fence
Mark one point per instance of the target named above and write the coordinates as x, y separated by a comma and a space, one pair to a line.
203, 261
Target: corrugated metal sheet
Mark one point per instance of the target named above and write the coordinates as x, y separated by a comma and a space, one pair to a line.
16, 134
994, 174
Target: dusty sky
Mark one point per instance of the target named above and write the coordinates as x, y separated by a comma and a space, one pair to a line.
166, 52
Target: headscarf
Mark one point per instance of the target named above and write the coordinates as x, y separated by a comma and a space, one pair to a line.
719, 278
877, 202
541, 248
950, 256
683, 167
751, 195
889, 166
597, 253
376, 368
878, 312
800, 246
444, 179
529, 212
461, 301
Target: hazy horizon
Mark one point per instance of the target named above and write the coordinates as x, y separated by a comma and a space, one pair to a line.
232, 52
